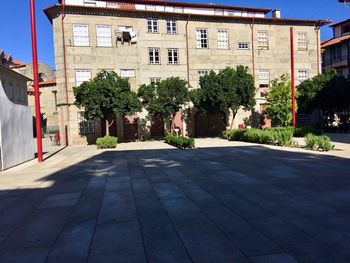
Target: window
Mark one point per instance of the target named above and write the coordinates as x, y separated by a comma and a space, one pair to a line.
104, 36
263, 40
303, 74
81, 35
82, 75
243, 45
152, 25
264, 78
171, 27
219, 12
155, 80
223, 39
173, 56
153, 56
85, 126
127, 73
202, 38
202, 73
302, 41
125, 28
150, 7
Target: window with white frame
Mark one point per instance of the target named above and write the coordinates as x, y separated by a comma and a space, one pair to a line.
155, 80
202, 38
104, 35
243, 45
82, 75
152, 25
263, 39
173, 56
85, 126
171, 27
202, 73
264, 78
219, 12
223, 42
154, 56
81, 35
150, 7
303, 74
127, 73
302, 40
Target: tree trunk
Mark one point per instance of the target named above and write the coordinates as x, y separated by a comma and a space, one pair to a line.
107, 127
234, 112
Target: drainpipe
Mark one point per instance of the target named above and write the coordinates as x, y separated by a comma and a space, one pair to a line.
292, 73
252, 47
317, 31
65, 72
187, 51
348, 46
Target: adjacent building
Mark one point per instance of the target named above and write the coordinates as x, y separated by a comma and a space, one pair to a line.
336, 51
149, 40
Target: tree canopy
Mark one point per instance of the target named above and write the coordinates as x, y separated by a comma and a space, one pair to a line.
105, 94
166, 97
279, 99
230, 89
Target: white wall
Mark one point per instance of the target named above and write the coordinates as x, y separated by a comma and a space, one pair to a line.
16, 132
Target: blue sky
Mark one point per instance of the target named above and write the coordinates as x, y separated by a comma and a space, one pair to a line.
15, 27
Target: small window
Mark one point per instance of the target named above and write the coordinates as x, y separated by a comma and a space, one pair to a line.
302, 41
202, 38
303, 74
173, 56
85, 126
155, 80
223, 39
154, 56
171, 27
125, 28
264, 81
263, 40
219, 12
81, 35
82, 75
152, 25
243, 45
127, 73
150, 7
104, 36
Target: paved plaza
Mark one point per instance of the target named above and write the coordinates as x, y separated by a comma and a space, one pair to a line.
150, 202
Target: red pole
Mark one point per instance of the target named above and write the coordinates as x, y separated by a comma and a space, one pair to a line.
36, 82
292, 74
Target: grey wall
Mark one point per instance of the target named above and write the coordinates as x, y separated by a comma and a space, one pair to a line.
16, 132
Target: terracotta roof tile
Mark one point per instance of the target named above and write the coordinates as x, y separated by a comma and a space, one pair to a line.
334, 41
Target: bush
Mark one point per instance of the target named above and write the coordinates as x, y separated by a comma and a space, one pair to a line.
106, 142
303, 131
274, 136
315, 143
180, 142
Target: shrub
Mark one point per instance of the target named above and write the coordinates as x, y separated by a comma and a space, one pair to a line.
303, 131
180, 142
106, 142
234, 135
314, 142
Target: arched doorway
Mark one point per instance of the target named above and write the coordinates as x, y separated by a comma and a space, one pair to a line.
157, 127
209, 124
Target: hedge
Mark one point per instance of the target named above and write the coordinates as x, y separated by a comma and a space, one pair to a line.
106, 142
303, 131
315, 143
180, 142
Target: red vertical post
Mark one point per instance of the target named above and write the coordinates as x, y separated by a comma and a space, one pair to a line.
36, 81
292, 74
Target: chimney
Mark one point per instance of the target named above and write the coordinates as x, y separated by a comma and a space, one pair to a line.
276, 13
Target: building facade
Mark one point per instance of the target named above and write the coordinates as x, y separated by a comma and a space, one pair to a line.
147, 41
336, 51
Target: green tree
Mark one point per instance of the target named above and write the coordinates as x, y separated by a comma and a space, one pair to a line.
165, 98
309, 91
230, 89
279, 98
105, 94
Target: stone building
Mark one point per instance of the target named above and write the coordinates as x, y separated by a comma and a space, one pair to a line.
16, 137
148, 40
336, 51
48, 93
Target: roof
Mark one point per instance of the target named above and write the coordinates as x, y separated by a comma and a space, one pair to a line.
52, 12
49, 82
189, 4
334, 41
14, 72
340, 23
